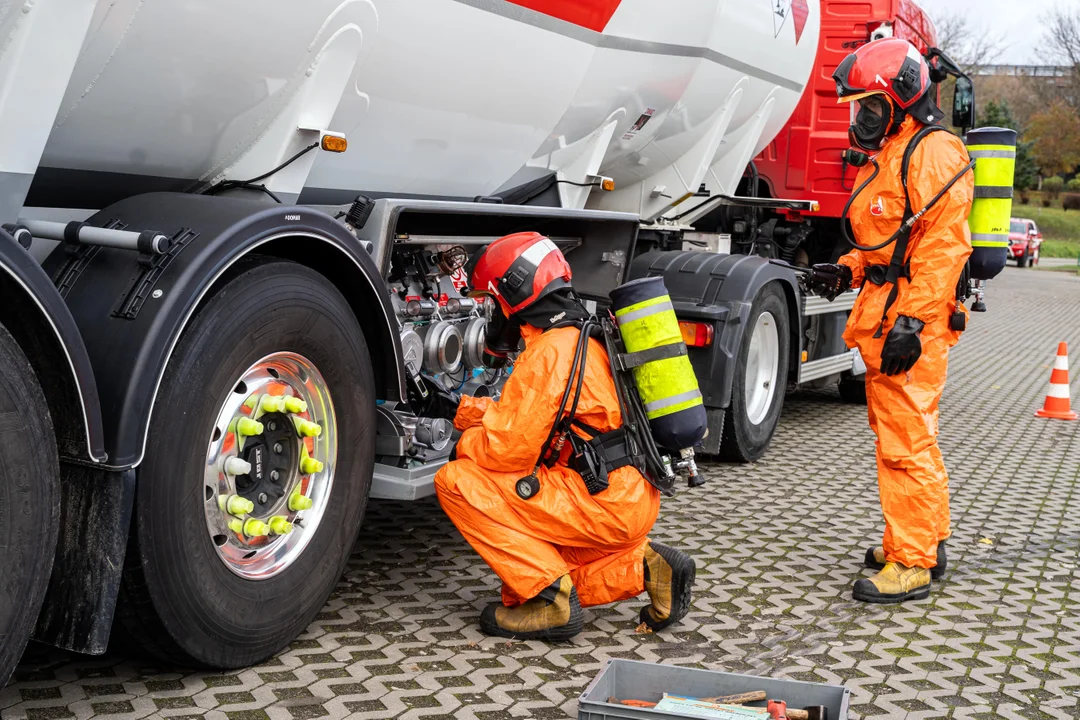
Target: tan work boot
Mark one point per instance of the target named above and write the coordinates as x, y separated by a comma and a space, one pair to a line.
894, 583
875, 560
554, 614
669, 580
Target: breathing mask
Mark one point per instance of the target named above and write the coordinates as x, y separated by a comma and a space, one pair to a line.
872, 120
503, 339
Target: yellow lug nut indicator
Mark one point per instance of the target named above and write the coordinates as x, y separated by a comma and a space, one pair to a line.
306, 428
249, 528
280, 525
235, 505
256, 528
308, 464
295, 405
248, 427
272, 403
298, 501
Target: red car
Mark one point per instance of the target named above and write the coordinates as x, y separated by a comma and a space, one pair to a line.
1024, 242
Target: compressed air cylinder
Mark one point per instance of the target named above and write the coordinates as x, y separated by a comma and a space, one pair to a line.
994, 152
668, 387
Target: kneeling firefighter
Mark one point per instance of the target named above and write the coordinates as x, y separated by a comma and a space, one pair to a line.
557, 541
909, 214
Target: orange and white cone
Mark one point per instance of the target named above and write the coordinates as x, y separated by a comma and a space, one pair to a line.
1057, 400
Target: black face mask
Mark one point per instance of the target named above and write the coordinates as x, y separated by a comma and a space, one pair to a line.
873, 122
503, 335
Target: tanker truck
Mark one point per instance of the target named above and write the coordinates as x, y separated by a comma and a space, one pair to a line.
234, 250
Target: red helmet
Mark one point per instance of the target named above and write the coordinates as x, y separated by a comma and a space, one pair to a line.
518, 270
891, 67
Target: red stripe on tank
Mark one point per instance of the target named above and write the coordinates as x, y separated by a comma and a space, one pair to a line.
591, 14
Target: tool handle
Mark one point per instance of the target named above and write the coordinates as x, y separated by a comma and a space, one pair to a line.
740, 699
796, 714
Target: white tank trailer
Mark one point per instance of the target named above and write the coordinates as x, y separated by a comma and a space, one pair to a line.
233, 252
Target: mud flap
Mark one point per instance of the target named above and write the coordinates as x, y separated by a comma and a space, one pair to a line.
95, 514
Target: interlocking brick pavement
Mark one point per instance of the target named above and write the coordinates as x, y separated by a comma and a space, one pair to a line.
778, 545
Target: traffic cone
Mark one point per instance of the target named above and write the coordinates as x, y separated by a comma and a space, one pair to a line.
1057, 400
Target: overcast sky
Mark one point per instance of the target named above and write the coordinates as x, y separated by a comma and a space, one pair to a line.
1016, 20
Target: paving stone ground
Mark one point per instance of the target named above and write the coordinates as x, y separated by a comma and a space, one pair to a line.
778, 545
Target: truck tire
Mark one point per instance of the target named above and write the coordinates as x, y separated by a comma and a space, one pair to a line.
852, 388
1022, 261
29, 501
757, 391
196, 591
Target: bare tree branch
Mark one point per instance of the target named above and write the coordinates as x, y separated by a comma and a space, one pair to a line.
1062, 40
1062, 36
970, 46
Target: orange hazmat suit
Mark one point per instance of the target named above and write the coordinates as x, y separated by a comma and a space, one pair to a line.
903, 409
598, 539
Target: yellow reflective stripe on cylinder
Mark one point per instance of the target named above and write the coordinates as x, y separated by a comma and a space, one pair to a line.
666, 386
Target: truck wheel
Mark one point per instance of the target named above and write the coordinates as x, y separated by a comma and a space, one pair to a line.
757, 392
852, 388
29, 501
1022, 261
257, 472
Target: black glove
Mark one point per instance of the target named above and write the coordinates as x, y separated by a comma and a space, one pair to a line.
829, 280
902, 346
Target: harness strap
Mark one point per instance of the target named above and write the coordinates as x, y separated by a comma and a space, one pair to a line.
627, 361
896, 266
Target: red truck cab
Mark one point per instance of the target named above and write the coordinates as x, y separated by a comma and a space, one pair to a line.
804, 161
1024, 241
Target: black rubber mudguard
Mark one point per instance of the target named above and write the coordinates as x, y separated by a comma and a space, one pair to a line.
718, 289
36, 316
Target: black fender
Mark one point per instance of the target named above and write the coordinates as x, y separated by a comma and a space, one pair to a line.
720, 289
132, 310
35, 314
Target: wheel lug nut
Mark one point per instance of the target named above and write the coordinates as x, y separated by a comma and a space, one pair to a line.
250, 527
278, 448
247, 426
237, 466
307, 428
262, 498
272, 426
299, 501
310, 466
275, 475
271, 403
235, 505
295, 405
280, 526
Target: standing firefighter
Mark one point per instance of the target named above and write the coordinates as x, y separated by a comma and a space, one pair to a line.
561, 547
909, 214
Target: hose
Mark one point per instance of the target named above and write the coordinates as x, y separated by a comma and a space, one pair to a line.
905, 226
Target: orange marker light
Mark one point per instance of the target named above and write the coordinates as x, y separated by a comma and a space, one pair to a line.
607, 184
334, 143
696, 334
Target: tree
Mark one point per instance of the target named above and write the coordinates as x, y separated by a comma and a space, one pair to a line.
969, 45
998, 114
1062, 41
1056, 135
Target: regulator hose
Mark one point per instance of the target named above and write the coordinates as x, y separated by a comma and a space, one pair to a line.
906, 225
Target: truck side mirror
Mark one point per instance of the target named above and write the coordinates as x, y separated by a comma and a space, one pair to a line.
963, 107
